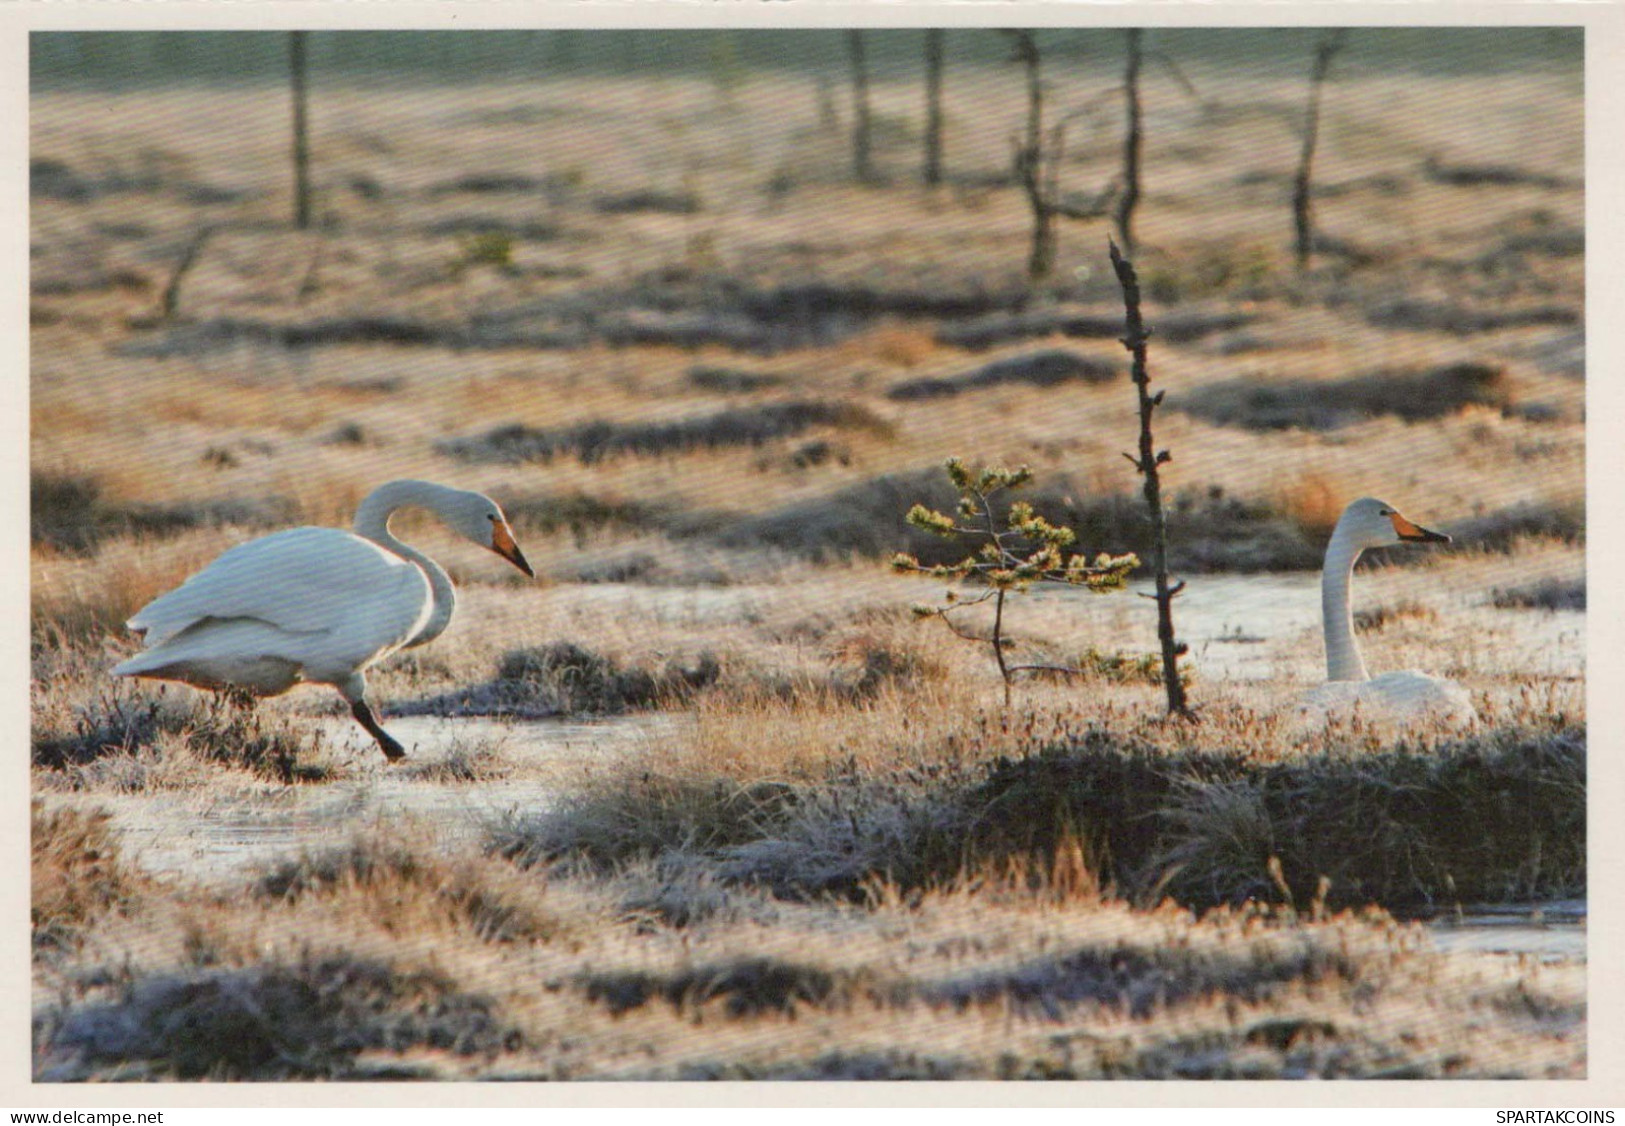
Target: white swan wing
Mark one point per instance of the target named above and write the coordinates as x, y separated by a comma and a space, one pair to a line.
304, 580
1417, 693
1395, 697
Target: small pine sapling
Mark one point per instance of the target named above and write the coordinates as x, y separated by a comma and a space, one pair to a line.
1026, 549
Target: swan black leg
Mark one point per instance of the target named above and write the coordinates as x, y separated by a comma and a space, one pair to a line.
363, 715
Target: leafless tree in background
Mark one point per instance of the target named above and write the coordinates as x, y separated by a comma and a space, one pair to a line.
862, 167
301, 133
1031, 159
1302, 220
1130, 197
934, 38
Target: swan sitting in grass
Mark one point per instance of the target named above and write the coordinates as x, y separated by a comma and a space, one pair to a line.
1403, 696
316, 605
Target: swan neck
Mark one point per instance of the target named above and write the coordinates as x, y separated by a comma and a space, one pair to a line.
1343, 661
372, 522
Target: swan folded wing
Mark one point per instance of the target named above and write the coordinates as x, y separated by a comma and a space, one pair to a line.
305, 580
1399, 696
1419, 693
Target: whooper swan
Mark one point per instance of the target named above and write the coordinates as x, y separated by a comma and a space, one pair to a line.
1406, 695
316, 605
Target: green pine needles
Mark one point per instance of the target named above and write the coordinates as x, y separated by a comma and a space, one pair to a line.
1026, 549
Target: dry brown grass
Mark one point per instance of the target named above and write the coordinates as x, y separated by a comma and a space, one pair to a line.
893, 343
92, 410
392, 964
76, 874
628, 928
1315, 502
86, 597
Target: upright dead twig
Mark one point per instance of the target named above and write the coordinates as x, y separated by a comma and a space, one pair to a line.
1130, 197
1148, 461
862, 166
301, 135
171, 301
1302, 220
1185, 84
932, 173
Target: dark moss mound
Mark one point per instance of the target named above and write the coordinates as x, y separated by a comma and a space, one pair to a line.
744, 986
1545, 594
303, 1021
729, 381
580, 513
1207, 531
1464, 320
997, 328
569, 679
69, 513
1487, 820
1047, 368
594, 441
1501, 529
1330, 404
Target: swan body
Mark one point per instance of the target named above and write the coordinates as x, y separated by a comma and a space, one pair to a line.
316, 605
1403, 696
1349, 689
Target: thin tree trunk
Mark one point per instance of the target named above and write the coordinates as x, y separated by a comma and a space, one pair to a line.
1131, 145
1148, 461
301, 133
829, 117
998, 643
1302, 218
934, 37
1029, 161
862, 168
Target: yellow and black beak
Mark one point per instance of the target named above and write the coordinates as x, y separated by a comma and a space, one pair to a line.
1415, 533
502, 543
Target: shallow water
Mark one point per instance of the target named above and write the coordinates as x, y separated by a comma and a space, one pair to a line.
1554, 931
219, 837
1236, 625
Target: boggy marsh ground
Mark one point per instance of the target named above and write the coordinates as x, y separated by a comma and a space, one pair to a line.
707, 374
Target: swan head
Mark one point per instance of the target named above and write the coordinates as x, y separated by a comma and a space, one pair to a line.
1370, 522
479, 518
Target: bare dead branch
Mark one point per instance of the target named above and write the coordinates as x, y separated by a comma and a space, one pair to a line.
1130, 198
1185, 84
1135, 341
311, 283
172, 290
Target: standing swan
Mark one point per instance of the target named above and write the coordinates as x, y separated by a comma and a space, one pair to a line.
1369, 522
318, 605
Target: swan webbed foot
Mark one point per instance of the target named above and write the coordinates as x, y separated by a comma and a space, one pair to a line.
393, 751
